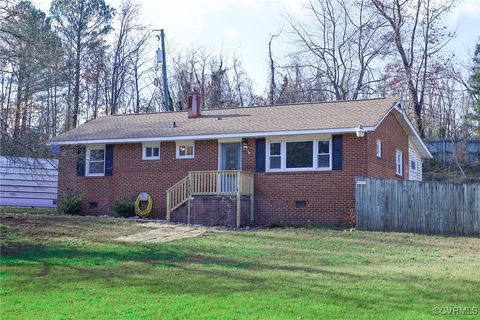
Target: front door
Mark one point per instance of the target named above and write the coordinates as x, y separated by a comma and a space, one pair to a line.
230, 159
230, 156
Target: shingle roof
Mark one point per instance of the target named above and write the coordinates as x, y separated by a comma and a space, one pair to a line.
292, 117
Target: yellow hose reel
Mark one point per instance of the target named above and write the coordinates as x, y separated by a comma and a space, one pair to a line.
143, 197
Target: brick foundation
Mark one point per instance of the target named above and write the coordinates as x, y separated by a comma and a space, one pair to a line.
214, 211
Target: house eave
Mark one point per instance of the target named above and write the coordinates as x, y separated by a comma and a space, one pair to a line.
413, 133
210, 136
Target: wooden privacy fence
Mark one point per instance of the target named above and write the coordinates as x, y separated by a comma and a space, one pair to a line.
419, 207
28, 182
444, 149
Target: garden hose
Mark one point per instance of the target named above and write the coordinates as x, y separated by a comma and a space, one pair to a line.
141, 197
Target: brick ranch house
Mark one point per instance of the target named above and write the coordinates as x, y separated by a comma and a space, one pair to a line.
292, 163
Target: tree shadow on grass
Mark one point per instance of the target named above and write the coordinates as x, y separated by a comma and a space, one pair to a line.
182, 271
187, 268
20, 253
400, 293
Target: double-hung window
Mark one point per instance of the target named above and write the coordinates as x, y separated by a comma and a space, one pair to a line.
151, 151
399, 162
379, 148
95, 160
299, 154
275, 160
185, 150
324, 154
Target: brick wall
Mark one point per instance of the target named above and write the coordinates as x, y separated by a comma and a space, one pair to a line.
132, 175
329, 195
393, 137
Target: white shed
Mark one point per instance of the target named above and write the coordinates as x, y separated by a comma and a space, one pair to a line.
28, 182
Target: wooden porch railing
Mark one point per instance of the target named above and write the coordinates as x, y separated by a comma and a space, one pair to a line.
177, 195
227, 182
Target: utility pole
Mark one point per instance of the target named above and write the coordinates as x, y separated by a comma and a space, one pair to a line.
166, 93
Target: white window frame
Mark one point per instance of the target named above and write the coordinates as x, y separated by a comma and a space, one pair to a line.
378, 148
399, 164
88, 150
185, 143
330, 153
146, 145
283, 153
269, 155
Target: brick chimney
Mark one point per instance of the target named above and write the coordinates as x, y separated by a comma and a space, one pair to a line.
194, 104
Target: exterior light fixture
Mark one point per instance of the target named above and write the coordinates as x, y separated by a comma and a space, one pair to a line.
360, 131
245, 147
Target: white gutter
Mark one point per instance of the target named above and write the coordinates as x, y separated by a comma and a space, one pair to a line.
416, 134
210, 136
412, 128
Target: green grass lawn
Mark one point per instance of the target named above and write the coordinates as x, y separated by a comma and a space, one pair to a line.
71, 268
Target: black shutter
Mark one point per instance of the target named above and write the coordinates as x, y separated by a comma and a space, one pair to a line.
337, 152
108, 160
260, 155
81, 151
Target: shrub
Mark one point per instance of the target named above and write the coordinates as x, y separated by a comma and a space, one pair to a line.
71, 203
124, 207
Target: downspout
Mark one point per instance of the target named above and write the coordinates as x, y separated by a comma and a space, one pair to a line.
365, 150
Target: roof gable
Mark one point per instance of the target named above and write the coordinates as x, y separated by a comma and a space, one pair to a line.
412, 133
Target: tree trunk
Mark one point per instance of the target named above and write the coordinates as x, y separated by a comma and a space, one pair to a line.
271, 94
137, 91
7, 112
55, 109
18, 104
76, 88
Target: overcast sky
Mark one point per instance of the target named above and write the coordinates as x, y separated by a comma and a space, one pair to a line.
244, 27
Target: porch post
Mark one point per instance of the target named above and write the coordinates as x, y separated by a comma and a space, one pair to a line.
168, 206
252, 200
189, 195
239, 180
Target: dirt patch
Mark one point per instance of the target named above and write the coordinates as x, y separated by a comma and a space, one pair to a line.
50, 227
165, 232
101, 229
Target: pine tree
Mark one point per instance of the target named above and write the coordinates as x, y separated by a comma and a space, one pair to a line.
474, 89
82, 23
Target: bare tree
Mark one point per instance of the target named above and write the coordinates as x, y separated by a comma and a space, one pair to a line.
220, 79
341, 42
95, 79
139, 68
123, 50
418, 33
272, 86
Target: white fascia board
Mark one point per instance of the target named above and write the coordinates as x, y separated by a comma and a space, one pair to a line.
211, 136
426, 152
424, 146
